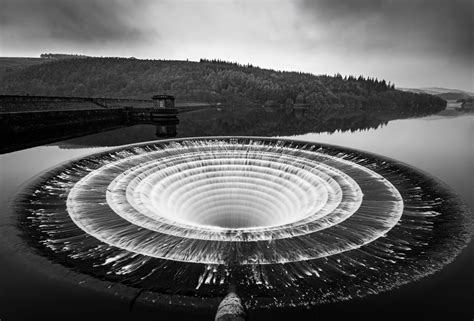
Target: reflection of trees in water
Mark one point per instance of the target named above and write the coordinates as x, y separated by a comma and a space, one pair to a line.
243, 122
261, 123
125, 135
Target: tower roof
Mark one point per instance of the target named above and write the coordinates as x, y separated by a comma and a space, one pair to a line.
156, 97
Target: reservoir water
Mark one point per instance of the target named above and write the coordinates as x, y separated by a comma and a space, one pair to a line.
441, 146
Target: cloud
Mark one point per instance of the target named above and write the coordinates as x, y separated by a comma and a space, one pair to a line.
411, 42
434, 27
70, 21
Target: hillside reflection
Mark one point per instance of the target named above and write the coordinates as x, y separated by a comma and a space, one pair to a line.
238, 122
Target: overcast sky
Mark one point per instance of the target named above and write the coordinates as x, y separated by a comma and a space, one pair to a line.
414, 43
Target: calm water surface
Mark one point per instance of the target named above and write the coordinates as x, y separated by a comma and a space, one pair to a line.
441, 146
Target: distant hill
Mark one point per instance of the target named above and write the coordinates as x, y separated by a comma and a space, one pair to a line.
446, 94
213, 81
12, 64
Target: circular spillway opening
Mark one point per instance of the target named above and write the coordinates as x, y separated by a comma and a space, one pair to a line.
232, 190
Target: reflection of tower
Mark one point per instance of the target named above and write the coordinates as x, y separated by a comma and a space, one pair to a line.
166, 129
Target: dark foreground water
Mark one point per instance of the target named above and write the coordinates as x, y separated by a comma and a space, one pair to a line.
32, 288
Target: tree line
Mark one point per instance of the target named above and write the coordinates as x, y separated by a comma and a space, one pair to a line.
212, 81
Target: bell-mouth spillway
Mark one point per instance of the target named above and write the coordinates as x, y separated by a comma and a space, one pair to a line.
286, 222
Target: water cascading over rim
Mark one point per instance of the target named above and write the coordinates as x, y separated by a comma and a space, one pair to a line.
294, 222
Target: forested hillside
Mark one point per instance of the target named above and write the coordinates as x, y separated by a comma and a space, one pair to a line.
212, 81
12, 64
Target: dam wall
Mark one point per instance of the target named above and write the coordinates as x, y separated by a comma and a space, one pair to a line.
27, 121
16, 103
